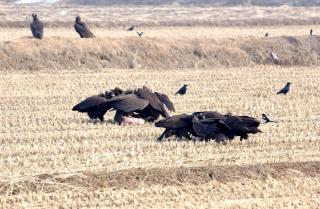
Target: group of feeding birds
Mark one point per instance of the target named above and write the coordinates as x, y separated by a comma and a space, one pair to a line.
80, 27
144, 104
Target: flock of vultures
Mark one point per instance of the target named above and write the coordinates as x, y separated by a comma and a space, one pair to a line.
134, 107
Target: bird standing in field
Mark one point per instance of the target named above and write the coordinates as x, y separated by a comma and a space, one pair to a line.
311, 32
275, 58
182, 90
285, 89
36, 27
266, 35
266, 119
140, 34
82, 29
131, 28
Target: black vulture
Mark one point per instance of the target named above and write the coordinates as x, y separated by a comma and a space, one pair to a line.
36, 27
82, 29
285, 89
211, 128
131, 28
182, 90
156, 107
140, 34
91, 106
239, 125
266, 119
178, 125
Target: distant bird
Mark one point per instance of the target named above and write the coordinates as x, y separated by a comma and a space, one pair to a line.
140, 34
182, 90
311, 32
285, 89
36, 27
266, 35
131, 28
274, 58
266, 119
82, 29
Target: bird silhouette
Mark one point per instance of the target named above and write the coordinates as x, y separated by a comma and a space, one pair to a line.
311, 32
285, 89
82, 29
266, 35
182, 90
140, 34
36, 27
266, 119
131, 28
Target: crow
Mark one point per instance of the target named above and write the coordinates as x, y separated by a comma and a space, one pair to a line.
36, 27
182, 90
131, 28
266, 119
285, 89
82, 29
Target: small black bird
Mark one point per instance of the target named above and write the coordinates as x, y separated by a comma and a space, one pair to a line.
36, 27
285, 89
266, 35
266, 119
140, 34
182, 90
131, 28
311, 32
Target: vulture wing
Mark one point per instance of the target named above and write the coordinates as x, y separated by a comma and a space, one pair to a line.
88, 103
176, 121
165, 100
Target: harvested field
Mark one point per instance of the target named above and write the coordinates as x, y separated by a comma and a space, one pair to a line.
53, 157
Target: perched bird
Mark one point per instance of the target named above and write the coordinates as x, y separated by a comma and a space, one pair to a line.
266, 35
285, 89
36, 27
266, 119
182, 90
311, 32
140, 34
274, 58
131, 28
82, 29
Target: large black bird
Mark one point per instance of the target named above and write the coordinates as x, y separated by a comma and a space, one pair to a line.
82, 29
36, 27
182, 90
285, 89
266, 119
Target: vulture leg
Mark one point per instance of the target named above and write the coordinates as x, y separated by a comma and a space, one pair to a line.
118, 117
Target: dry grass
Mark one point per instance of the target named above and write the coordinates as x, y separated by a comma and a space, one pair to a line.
52, 157
141, 53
